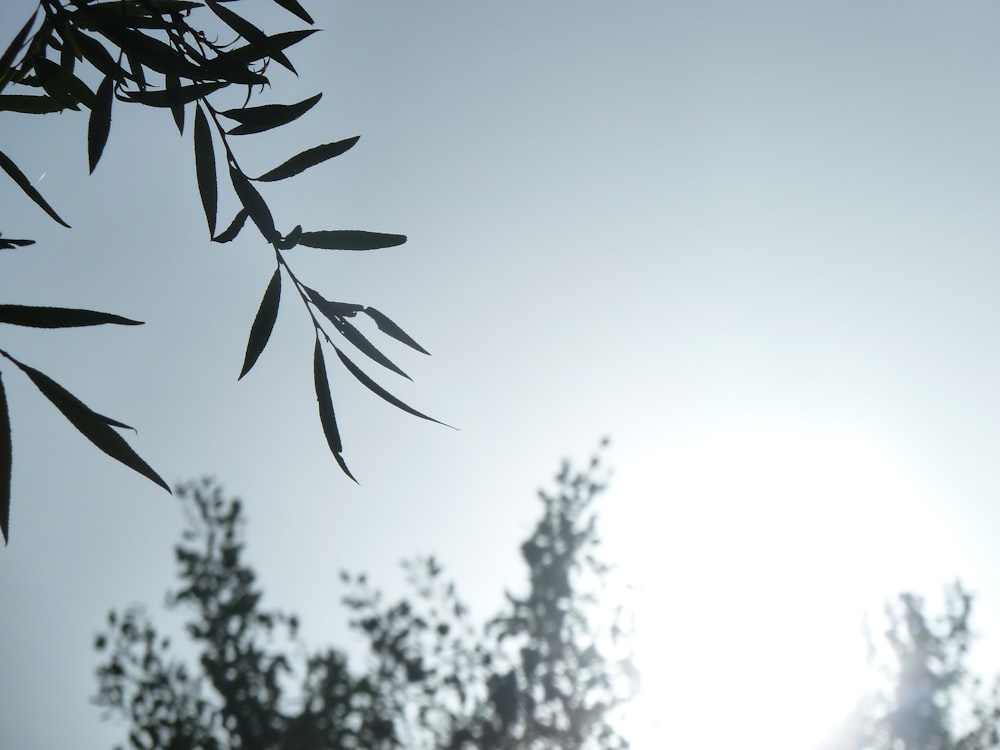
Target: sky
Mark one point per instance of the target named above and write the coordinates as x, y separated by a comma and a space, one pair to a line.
753, 243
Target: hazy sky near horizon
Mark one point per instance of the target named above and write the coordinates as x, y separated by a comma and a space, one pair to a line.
754, 243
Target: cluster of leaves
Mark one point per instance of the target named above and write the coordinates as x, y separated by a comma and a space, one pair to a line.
926, 697
162, 54
533, 678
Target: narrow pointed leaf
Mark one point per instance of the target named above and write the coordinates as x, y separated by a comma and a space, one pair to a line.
350, 239
292, 6
10, 244
268, 116
90, 424
308, 158
391, 329
173, 83
7, 60
249, 32
263, 322
6, 464
22, 182
254, 204
100, 121
381, 392
59, 317
230, 232
173, 97
29, 105
249, 53
204, 164
365, 346
333, 309
326, 416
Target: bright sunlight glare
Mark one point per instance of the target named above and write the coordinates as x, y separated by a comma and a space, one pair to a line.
752, 558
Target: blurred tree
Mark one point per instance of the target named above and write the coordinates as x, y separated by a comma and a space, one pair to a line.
538, 676
185, 57
927, 698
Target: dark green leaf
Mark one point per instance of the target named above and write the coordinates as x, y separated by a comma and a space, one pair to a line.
391, 329
333, 309
30, 105
173, 97
7, 60
22, 182
6, 464
254, 204
234, 228
350, 239
173, 83
100, 121
268, 116
365, 346
379, 391
263, 322
326, 415
91, 425
292, 6
249, 32
204, 164
59, 317
308, 158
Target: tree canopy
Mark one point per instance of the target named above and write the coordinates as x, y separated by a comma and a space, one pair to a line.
200, 61
539, 675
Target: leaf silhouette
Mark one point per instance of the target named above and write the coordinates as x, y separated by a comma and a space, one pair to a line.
365, 346
230, 232
59, 317
350, 239
22, 182
9, 244
268, 116
333, 309
326, 415
174, 97
204, 164
6, 61
292, 6
173, 83
93, 426
381, 392
6, 456
29, 105
263, 322
308, 158
100, 121
391, 329
254, 204
251, 33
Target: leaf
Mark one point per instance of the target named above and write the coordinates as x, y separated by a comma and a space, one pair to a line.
263, 322
204, 164
234, 227
249, 53
381, 392
18, 176
29, 105
391, 329
365, 346
292, 6
173, 83
7, 60
99, 57
174, 97
100, 121
249, 32
96, 428
254, 204
350, 239
151, 52
268, 116
326, 415
334, 309
6, 464
10, 244
308, 158
59, 317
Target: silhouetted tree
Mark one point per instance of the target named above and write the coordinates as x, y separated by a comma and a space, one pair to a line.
185, 57
928, 699
537, 676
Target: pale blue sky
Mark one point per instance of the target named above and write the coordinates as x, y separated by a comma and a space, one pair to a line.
667, 222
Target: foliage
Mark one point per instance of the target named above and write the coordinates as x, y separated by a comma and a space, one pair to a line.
183, 57
538, 676
928, 699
